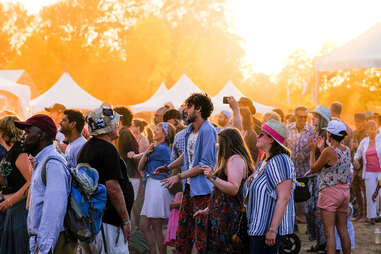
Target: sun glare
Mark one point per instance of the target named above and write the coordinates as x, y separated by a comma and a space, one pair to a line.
273, 29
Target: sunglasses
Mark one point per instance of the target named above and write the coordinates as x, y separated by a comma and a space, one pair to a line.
263, 134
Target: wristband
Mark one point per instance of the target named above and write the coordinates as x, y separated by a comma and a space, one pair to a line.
214, 177
126, 222
272, 230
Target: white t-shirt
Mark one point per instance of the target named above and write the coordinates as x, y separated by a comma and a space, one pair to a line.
191, 149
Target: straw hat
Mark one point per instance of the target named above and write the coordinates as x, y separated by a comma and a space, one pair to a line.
276, 130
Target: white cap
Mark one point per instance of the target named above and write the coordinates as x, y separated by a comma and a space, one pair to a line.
336, 127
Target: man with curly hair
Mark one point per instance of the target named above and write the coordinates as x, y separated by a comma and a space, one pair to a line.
200, 150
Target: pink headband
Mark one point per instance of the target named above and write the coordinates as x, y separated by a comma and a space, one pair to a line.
273, 133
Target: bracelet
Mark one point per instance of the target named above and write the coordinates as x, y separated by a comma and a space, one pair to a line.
272, 230
214, 177
126, 222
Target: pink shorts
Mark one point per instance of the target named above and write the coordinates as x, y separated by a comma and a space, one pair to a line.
334, 198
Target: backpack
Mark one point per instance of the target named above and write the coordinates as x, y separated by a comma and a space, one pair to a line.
86, 201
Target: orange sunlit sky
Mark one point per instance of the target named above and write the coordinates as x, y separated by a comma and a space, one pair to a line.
273, 29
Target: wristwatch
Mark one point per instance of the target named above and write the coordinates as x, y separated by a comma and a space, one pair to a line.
126, 222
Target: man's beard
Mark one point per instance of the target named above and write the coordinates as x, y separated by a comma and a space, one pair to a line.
191, 118
29, 148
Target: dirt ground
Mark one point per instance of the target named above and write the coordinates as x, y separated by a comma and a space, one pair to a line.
364, 235
364, 239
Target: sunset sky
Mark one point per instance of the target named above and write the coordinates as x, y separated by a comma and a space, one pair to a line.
273, 29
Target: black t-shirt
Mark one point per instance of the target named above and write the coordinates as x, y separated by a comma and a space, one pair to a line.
104, 157
12, 179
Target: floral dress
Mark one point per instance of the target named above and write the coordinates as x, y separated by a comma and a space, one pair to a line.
223, 220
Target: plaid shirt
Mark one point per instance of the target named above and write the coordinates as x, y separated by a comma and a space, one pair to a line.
298, 144
178, 147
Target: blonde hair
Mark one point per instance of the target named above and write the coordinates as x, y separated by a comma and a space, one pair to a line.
9, 132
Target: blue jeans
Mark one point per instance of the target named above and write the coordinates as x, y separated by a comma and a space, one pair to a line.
258, 245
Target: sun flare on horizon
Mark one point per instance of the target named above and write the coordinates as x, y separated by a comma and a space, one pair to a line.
273, 29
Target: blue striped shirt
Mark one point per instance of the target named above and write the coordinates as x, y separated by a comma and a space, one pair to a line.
262, 197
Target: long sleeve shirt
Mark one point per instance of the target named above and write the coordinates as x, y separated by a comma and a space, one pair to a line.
48, 202
205, 154
72, 150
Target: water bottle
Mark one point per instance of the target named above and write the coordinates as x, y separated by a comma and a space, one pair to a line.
377, 235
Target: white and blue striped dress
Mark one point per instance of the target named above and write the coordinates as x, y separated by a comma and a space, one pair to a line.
262, 197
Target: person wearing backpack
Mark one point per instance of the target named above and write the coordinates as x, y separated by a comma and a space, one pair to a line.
46, 211
100, 153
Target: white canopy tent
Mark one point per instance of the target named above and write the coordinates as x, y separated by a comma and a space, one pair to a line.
231, 90
66, 92
177, 95
151, 103
363, 51
12, 75
21, 91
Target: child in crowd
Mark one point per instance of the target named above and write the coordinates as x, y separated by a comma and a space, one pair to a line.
170, 236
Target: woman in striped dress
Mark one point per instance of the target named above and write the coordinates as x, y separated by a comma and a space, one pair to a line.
269, 192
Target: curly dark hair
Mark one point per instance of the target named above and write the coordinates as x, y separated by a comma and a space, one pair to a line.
201, 101
126, 115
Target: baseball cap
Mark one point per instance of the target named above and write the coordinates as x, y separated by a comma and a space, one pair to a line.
57, 107
337, 128
44, 122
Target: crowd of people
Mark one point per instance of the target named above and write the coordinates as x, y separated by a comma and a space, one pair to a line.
197, 183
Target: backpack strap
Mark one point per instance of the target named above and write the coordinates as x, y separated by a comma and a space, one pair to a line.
43, 172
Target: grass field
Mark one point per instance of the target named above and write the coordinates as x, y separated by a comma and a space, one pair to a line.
364, 239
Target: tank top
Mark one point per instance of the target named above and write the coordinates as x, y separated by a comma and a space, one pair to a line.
339, 173
12, 179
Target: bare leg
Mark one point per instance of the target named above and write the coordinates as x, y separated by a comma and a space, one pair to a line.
194, 249
329, 229
341, 225
145, 225
157, 226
